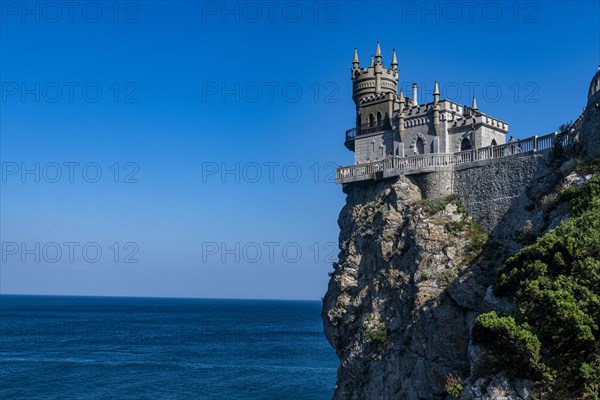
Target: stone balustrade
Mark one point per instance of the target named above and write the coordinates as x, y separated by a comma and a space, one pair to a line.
394, 166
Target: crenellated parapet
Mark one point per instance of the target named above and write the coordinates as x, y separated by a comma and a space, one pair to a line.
376, 79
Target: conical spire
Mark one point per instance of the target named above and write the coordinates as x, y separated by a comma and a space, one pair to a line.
474, 106
402, 100
355, 61
378, 53
394, 60
372, 61
436, 88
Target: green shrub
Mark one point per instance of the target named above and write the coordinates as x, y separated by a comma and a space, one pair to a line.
375, 332
586, 197
436, 205
516, 347
454, 385
455, 227
555, 283
559, 152
477, 236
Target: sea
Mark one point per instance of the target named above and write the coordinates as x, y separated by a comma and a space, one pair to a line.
67, 347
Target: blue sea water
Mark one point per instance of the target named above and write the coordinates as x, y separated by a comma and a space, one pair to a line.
54, 347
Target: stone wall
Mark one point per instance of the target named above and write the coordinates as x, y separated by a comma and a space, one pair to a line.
364, 146
487, 189
589, 135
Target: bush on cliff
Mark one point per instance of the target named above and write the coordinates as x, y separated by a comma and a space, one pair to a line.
556, 286
514, 344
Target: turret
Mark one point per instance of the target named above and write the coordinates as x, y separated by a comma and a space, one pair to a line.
415, 101
378, 54
378, 69
402, 101
394, 63
377, 79
436, 108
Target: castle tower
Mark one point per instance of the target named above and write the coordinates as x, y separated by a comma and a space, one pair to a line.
374, 80
594, 84
436, 109
374, 91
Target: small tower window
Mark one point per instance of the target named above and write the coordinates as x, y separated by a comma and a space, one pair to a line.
465, 145
379, 119
420, 146
371, 120
494, 143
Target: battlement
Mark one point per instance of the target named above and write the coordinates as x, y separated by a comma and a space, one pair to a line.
375, 79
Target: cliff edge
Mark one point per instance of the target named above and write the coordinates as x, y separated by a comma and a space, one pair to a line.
415, 272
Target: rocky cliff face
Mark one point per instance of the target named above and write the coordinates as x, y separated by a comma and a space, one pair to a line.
412, 276
414, 273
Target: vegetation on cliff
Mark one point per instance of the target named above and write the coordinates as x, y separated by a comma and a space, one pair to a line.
553, 336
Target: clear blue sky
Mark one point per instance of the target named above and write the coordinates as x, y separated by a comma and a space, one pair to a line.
189, 88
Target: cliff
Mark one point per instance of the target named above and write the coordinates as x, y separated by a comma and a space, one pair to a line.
417, 267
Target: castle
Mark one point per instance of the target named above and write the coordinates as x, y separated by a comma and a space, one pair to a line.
388, 123
395, 135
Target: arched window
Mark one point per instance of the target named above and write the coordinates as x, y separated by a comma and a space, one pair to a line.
465, 145
494, 143
420, 146
371, 120
379, 119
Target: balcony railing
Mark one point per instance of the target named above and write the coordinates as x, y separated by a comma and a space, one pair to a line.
413, 164
373, 128
364, 129
351, 134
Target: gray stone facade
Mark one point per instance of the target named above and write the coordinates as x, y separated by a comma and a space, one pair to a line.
389, 124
